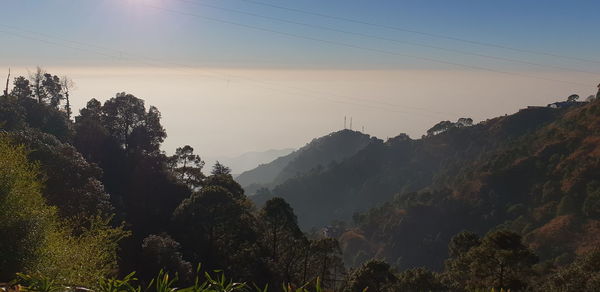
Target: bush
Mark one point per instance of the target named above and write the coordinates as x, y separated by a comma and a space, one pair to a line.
34, 240
26, 222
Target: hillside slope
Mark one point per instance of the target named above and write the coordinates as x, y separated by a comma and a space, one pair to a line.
400, 165
535, 172
544, 185
249, 160
318, 153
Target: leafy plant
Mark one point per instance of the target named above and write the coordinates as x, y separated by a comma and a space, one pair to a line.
38, 283
116, 285
318, 287
163, 282
220, 284
198, 286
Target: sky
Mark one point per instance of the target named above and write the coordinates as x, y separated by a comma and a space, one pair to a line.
232, 76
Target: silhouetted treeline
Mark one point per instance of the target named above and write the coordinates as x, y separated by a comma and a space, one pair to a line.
94, 197
108, 162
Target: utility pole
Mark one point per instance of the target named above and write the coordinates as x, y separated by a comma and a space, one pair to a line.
7, 80
344, 122
350, 123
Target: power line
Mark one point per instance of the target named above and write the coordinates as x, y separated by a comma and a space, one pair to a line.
480, 43
58, 44
370, 36
152, 62
269, 85
385, 52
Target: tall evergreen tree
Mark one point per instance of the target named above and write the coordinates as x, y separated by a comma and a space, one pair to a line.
187, 167
21, 88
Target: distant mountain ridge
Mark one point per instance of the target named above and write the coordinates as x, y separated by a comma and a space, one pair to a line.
535, 172
249, 160
320, 152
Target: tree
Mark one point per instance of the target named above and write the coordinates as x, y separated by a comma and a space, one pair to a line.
83, 254
52, 87
583, 275
39, 115
34, 239
21, 88
284, 242
457, 267
26, 222
12, 114
73, 185
439, 128
220, 169
280, 225
326, 261
500, 261
187, 167
124, 138
418, 279
128, 123
7, 81
91, 136
221, 176
461, 243
147, 138
591, 204
161, 252
374, 275
464, 122
67, 85
36, 79
573, 98
216, 229
92, 110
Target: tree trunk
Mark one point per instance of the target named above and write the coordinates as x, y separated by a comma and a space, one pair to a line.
7, 80
68, 105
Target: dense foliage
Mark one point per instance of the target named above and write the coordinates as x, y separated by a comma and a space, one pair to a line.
94, 198
540, 183
34, 239
86, 181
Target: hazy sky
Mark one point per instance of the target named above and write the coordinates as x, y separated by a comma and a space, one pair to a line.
231, 76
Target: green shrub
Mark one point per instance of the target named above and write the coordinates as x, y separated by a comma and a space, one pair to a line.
26, 222
34, 240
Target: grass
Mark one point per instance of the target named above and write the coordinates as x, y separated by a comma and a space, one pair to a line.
164, 282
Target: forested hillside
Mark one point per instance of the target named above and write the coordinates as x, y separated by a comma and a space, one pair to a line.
318, 154
400, 165
534, 172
